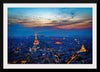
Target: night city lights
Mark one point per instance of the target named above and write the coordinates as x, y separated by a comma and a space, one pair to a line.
50, 35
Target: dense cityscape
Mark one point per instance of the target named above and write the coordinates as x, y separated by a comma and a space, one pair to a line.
49, 50
50, 35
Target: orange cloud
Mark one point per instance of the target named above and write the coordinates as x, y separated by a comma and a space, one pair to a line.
54, 24
76, 25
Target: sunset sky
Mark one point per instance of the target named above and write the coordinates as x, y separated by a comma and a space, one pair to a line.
50, 21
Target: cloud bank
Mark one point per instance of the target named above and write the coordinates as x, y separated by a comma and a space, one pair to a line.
57, 18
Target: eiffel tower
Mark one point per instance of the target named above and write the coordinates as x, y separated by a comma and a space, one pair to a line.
36, 42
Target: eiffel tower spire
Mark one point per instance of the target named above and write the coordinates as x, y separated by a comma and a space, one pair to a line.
35, 36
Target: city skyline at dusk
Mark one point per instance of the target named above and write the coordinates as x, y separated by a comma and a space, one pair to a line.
50, 35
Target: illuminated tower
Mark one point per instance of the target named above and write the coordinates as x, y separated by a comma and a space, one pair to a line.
36, 42
82, 49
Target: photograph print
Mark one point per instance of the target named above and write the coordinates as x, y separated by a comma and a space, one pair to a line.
49, 35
